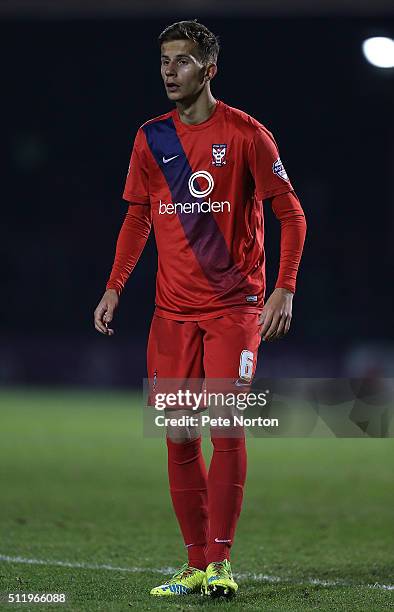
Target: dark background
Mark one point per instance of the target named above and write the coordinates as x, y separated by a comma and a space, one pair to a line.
74, 92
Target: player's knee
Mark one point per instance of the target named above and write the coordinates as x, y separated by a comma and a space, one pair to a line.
182, 434
182, 426
227, 438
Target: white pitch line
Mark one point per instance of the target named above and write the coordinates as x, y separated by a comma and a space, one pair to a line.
170, 570
76, 565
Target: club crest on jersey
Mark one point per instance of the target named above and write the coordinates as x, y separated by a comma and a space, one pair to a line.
219, 154
279, 169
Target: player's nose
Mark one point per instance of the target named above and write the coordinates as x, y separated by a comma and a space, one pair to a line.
170, 69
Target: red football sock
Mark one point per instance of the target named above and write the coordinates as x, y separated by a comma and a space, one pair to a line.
188, 486
226, 479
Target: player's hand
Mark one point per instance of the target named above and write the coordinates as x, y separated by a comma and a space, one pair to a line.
104, 312
276, 316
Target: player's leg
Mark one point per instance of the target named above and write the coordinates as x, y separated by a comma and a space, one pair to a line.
175, 352
230, 353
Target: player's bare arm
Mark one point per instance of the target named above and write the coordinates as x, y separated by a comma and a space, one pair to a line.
276, 316
104, 312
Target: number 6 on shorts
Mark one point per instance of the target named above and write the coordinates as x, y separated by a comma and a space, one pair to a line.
246, 365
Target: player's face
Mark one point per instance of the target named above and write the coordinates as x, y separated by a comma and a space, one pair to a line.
181, 70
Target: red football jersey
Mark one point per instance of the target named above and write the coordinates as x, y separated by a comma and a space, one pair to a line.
205, 184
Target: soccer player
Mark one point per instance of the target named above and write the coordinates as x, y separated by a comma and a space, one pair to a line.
199, 174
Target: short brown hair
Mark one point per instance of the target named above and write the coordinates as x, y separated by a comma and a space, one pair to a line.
206, 41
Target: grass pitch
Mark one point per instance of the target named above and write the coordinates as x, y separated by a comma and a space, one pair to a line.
85, 510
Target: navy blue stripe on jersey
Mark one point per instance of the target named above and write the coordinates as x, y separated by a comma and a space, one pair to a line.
201, 230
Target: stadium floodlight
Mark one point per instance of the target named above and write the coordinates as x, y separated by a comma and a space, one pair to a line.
379, 51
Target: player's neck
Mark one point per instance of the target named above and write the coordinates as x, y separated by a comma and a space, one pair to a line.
198, 110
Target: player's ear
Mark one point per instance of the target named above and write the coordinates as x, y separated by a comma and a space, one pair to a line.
211, 71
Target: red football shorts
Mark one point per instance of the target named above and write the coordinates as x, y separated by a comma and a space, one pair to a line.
221, 348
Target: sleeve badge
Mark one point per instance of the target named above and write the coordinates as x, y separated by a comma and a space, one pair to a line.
279, 169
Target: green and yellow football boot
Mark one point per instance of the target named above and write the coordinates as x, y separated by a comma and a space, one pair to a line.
219, 581
185, 581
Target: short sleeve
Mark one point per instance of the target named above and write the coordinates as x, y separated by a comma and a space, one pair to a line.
269, 174
136, 189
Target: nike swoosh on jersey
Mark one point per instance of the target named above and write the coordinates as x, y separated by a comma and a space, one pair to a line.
165, 161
